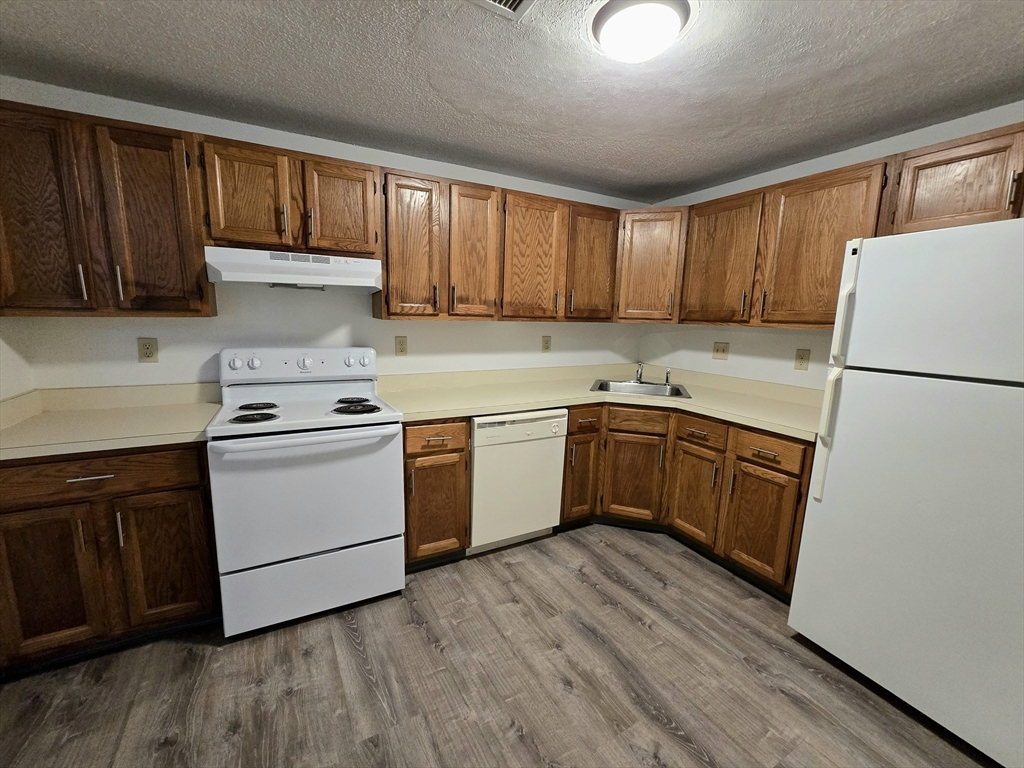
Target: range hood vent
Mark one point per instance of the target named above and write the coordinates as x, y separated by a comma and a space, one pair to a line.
302, 270
510, 9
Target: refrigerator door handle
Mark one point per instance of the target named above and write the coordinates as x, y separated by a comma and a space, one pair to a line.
851, 267
826, 429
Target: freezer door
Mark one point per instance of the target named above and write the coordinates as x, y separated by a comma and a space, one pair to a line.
911, 566
946, 302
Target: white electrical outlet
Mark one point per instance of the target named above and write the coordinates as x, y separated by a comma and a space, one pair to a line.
720, 351
149, 352
401, 345
803, 359
545, 343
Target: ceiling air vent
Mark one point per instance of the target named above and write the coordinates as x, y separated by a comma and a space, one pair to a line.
510, 9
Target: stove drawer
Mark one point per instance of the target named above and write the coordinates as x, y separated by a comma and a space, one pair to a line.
62, 482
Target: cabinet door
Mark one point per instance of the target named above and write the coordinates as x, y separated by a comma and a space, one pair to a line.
473, 258
807, 224
49, 580
650, 270
581, 471
436, 504
414, 246
341, 212
758, 522
165, 555
157, 263
249, 192
633, 472
694, 488
44, 259
536, 239
721, 249
590, 269
969, 184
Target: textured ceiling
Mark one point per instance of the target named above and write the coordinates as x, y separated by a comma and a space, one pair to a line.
753, 85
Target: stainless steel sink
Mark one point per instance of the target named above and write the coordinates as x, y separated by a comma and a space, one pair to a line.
639, 388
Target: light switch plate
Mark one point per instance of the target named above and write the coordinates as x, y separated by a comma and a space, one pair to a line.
803, 359
720, 351
149, 352
545, 343
401, 345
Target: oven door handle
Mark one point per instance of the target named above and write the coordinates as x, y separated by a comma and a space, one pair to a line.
269, 444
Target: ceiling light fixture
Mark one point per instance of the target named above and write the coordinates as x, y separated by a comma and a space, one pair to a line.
632, 31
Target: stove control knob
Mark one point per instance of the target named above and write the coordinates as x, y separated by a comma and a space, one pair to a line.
350, 361
364, 360
254, 362
305, 363
235, 363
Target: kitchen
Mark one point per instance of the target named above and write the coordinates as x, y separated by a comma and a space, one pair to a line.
343, 453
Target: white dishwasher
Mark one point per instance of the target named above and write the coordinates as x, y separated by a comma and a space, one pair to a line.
517, 476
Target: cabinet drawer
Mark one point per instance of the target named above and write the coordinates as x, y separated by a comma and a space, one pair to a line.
701, 431
585, 419
774, 452
638, 420
59, 482
436, 437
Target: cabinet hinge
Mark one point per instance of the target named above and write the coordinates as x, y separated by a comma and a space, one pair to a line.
506, 207
899, 175
188, 159
206, 218
885, 180
202, 159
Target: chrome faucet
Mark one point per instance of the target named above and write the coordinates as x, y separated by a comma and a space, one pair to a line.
639, 372
668, 376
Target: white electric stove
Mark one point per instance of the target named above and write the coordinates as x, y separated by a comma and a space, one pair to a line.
307, 484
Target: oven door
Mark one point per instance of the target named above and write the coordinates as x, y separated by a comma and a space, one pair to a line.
279, 497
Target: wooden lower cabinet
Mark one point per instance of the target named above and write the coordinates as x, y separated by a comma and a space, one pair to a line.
757, 523
634, 467
105, 562
693, 491
436, 490
582, 468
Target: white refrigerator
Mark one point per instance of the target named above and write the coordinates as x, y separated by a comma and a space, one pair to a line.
911, 565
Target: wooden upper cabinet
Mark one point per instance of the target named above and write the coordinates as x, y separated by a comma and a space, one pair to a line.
694, 488
721, 250
249, 193
436, 504
49, 580
536, 240
968, 183
341, 209
415, 255
473, 258
44, 258
156, 251
759, 513
165, 556
805, 228
582, 462
590, 269
634, 465
650, 267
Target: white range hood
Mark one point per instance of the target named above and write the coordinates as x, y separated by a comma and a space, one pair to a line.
300, 270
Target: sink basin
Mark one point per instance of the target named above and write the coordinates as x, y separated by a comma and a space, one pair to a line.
639, 388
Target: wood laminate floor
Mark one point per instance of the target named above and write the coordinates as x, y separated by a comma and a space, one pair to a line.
601, 646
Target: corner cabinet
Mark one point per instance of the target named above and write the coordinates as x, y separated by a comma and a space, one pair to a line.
101, 546
634, 463
650, 264
536, 241
436, 489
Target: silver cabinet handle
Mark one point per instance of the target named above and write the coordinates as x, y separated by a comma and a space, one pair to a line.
412, 482
558, 295
585, 421
437, 297
572, 456
671, 301
284, 218
661, 457
86, 479
438, 437
714, 475
743, 304
764, 295
732, 482
455, 297
120, 530
312, 225
572, 301
755, 449
693, 431
81, 280
120, 284
1014, 175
